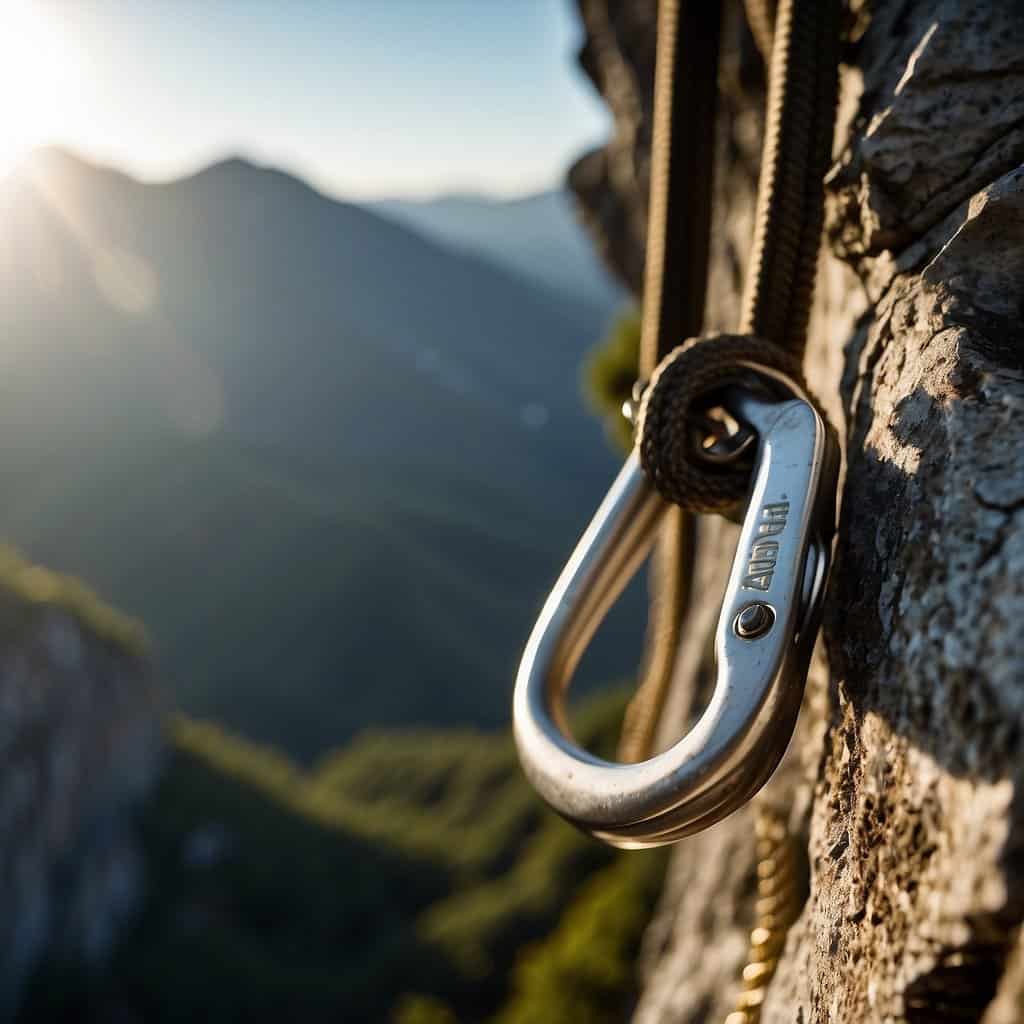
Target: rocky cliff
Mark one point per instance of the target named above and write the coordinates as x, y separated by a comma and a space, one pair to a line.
79, 746
902, 785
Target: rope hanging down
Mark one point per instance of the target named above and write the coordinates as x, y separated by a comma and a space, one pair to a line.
802, 57
776, 306
678, 241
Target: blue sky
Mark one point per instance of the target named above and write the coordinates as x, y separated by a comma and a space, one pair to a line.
367, 98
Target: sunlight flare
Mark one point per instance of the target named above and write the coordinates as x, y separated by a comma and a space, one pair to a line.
36, 65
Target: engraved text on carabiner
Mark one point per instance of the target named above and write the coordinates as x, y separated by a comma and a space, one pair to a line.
764, 553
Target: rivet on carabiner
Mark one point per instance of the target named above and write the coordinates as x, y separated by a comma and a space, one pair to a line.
763, 641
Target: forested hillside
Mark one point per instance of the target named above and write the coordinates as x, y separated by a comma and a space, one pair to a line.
405, 877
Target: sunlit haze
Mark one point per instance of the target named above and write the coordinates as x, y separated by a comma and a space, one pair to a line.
40, 70
364, 99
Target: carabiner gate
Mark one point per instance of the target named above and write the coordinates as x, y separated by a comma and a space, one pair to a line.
763, 642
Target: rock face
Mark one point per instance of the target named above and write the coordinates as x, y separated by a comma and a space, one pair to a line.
611, 183
905, 776
79, 745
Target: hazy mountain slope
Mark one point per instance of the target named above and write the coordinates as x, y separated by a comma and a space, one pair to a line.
537, 235
332, 464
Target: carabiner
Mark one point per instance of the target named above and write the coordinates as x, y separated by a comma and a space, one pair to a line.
763, 642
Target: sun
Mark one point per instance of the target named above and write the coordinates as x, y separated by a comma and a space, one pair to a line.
36, 68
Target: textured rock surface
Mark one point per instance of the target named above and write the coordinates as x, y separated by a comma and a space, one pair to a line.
611, 182
79, 744
905, 772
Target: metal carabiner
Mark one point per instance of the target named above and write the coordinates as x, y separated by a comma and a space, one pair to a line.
763, 642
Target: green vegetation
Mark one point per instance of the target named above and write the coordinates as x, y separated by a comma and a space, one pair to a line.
585, 970
404, 878
609, 374
29, 588
423, 1010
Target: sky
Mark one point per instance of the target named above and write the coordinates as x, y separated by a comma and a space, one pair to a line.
365, 98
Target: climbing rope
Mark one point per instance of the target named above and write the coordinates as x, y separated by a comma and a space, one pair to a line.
779, 286
801, 50
781, 889
715, 411
781, 269
675, 276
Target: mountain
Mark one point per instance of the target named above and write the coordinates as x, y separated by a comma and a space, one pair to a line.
331, 463
537, 235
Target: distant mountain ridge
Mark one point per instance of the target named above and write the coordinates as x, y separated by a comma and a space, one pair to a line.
332, 463
536, 235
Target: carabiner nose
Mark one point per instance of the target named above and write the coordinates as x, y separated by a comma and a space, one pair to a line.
763, 641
